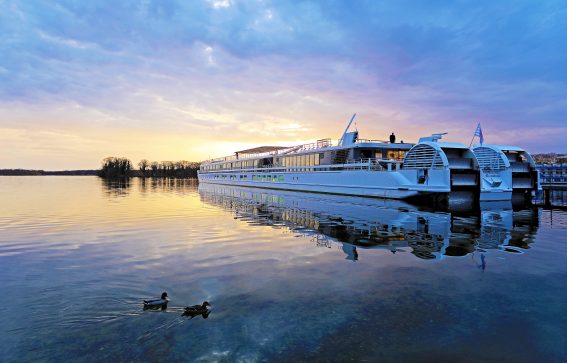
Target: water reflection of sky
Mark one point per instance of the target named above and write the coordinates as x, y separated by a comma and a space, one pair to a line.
78, 255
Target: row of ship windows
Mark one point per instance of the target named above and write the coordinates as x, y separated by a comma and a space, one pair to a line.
259, 178
296, 160
232, 165
302, 160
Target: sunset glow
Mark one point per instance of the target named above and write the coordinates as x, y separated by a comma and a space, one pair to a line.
178, 80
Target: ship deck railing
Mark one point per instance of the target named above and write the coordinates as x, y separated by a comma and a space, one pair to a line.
370, 141
552, 174
319, 144
369, 164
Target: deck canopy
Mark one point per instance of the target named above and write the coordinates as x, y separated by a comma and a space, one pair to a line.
261, 150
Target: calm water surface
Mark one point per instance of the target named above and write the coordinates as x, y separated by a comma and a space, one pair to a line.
290, 276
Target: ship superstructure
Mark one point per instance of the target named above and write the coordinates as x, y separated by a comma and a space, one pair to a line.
375, 168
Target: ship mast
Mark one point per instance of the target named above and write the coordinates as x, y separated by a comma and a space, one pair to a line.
346, 130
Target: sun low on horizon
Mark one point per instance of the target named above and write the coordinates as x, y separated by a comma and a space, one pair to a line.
177, 80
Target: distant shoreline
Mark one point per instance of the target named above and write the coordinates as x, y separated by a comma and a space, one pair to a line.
86, 172
27, 172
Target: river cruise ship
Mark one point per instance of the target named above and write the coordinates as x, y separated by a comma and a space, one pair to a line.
375, 168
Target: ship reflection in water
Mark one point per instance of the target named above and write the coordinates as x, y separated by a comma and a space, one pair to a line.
352, 224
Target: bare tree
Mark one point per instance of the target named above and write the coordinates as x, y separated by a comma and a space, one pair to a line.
155, 167
143, 165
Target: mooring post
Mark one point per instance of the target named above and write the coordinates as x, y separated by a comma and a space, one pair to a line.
547, 197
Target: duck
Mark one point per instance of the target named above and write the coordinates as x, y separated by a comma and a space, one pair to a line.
197, 309
157, 303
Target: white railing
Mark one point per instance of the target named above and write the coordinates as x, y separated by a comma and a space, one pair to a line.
369, 141
370, 164
319, 144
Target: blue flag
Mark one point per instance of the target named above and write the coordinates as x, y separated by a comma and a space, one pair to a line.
478, 133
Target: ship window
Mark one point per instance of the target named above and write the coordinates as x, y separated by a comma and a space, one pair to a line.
396, 154
280, 178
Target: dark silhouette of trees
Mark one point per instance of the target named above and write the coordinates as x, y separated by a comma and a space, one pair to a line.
154, 165
143, 165
113, 167
175, 169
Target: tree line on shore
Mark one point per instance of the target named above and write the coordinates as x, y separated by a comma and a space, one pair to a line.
116, 167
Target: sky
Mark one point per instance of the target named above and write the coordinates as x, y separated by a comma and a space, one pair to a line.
189, 80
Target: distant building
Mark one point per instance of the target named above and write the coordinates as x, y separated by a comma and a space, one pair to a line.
550, 158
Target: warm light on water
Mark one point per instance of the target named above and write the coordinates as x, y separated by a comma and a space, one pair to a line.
290, 276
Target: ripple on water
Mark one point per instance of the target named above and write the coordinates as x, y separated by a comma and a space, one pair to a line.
291, 276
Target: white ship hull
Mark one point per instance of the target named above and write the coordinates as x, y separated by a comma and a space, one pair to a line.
377, 184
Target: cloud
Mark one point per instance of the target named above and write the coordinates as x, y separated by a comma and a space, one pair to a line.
268, 71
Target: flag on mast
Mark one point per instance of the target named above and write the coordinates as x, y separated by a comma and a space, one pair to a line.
478, 133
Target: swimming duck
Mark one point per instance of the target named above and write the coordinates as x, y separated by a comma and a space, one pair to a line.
157, 303
197, 309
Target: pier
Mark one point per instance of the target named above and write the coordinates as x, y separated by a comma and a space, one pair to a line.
553, 179
553, 174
